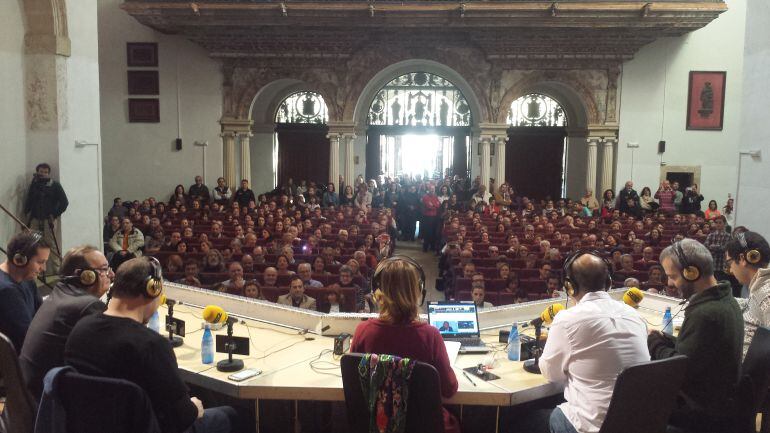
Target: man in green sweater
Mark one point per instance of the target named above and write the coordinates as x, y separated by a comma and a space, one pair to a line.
711, 337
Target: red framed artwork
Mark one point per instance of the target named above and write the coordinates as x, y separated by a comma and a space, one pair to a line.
143, 110
706, 100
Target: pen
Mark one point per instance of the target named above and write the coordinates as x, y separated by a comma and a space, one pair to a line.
469, 378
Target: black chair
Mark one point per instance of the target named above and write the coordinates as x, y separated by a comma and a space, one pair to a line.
20, 407
756, 367
644, 396
424, 411
100, 404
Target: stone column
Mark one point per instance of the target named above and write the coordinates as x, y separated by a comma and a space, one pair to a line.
350, 176
228, 146
485, 155
500, 157
608, 164
334, 159
245, 156
593, 143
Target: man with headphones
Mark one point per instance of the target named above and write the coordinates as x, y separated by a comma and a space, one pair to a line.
85, 277
19, 299
747, 257
117, 344
589, 345
711, 337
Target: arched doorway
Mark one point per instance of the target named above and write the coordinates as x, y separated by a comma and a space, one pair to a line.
301, 146
535, 157
418, 124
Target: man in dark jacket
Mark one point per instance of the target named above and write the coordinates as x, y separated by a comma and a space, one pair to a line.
46, 201
85, 277
199, 191
711, 337
244, 195
625, 194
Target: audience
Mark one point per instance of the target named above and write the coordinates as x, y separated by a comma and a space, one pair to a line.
296, 296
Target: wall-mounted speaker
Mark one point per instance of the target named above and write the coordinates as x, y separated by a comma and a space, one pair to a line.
662, 146
178, 144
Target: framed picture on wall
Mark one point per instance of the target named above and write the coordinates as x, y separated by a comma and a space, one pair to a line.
143, 110
706, 100
142, 54
143, 83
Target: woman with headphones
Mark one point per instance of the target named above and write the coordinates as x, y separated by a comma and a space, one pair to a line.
746, 257
399, 284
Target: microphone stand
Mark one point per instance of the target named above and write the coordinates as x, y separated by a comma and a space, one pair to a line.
174, 340
230, 364
532, 365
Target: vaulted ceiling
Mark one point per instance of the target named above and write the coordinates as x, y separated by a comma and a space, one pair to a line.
509, 33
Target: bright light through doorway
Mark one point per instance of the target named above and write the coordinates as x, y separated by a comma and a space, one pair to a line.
416, 154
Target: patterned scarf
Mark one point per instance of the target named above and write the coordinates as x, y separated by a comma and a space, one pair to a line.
385, 384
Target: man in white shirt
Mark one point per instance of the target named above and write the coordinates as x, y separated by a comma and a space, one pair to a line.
589, 345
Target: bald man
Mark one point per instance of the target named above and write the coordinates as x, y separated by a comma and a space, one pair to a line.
589, 345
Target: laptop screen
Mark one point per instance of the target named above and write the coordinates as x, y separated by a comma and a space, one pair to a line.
454, 319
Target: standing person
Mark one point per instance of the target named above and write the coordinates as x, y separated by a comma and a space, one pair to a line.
665, 196
19, 298
399, 331
244, 195
678, 195
330, 197
597, 331
118, 344
222, 193
716, 242
625, 194
46, 201
430, 227
85, 277
747, 257
199, 191
588, 200
691, 201
713, 211
363, 197
408, 209
711, 337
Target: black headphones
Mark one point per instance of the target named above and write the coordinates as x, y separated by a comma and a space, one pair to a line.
753, 255
21, 258
568, 281
153, 284
689, 272
378, 272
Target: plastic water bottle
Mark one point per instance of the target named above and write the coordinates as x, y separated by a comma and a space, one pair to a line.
154, 322
207, 346
514, 344
668, 325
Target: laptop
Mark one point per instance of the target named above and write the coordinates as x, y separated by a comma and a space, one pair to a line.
458, 321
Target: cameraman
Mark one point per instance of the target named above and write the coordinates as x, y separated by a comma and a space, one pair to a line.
46, 201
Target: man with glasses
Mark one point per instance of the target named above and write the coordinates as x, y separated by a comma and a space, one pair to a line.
85, 277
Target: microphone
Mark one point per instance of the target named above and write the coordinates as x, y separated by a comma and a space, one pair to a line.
633, 297
547, 315
217, 316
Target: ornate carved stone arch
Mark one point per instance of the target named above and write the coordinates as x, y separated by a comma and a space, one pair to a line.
581, 90
46, 27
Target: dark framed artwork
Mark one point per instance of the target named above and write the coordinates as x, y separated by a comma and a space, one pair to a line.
706, 100
142, 54
143, 110
143, 83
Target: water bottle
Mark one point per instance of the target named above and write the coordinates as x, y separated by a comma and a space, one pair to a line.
207, 346
154, 322
668, 325
514, 344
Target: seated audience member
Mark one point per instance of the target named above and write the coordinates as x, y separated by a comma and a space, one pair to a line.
503, 270
319, 266
252, 290
296, 296
711, 337
247, 262
213, 262
117, 344
469, 269
655, 277
633, 282
399, 330
648, 258
236, 281
154, 242
553, 286
604, 333
190, 274
747, 256
198, 191
346, 281
328, 256
335, 300
478, 293
113, 225
512, 284
282, 265
304, 272
175, 263
85, 277
626, 267
258, 254
127, 242
270, 277
545, 271
530, 262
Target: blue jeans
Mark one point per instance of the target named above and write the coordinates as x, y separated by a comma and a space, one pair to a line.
215, 420
559, 423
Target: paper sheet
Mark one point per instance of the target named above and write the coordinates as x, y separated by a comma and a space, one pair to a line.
452, 349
